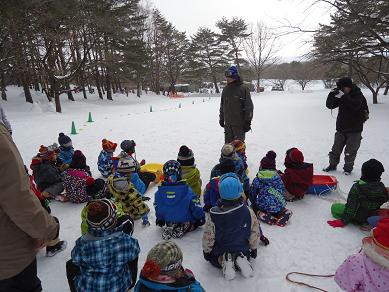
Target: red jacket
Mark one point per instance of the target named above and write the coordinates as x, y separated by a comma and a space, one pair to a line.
298, 178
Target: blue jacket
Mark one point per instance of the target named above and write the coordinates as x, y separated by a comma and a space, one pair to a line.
232, 228
138, 183
145, 285
267, 192
103, 259
104, 163
176, 203
239, 170
212, 194
66, 154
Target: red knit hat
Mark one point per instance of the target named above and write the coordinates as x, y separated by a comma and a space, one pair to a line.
108, 145
381, 233
296, 155
90, 181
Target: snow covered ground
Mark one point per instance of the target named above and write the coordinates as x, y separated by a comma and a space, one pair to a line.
281, 120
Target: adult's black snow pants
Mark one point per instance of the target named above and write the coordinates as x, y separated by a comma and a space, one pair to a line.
26, 281
233, 132
352, 141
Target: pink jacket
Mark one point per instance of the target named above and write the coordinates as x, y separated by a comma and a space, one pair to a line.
366, 271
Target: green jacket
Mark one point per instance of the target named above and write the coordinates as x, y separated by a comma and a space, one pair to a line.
84, 224
363, 199
236, 106
192, 177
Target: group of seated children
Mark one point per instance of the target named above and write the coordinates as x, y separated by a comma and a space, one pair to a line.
231, 232
106, 258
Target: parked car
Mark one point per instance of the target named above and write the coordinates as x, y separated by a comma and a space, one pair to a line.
277, 88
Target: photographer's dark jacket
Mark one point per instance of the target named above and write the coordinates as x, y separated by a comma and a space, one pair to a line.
236, 106
352, 110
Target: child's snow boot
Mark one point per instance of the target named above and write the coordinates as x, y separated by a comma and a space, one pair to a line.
267, 218
53, 250
284, 218
167, 232
228, 266
244, 266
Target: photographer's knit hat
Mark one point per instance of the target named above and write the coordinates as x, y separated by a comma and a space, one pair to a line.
165, 258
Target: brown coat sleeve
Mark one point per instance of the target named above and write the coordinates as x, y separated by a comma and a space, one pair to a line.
16, 199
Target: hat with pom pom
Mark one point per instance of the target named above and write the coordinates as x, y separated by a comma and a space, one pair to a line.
108, 145
269, 161
64, 140
165, 258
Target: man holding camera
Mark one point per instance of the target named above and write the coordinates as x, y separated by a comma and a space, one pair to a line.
353, 112
236, 107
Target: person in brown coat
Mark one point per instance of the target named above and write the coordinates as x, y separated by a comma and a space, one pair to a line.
24, 225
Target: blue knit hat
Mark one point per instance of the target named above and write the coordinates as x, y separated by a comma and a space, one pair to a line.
232, 72
230, 187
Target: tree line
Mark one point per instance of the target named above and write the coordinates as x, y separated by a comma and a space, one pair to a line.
114, 45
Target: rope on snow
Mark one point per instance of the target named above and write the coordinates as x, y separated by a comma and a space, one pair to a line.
305, 284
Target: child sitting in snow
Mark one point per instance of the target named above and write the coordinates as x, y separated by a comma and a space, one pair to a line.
368, 270
240, 149
297, 176
177, 208
365, 198
190, 173
105, 163
47, 175
211, 192
267, 193
127, 188
53, 246
65, 149
231, 233
106, 258
95, 190
75, 179
128, 146
228, 152
163, 271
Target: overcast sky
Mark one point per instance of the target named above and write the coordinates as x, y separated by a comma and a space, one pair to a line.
189, 15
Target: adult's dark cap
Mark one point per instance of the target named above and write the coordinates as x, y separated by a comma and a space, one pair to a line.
344, 82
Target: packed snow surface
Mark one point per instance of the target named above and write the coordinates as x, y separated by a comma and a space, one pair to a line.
281, 120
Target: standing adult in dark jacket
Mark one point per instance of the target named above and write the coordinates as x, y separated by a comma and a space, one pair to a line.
353, 112
236, 107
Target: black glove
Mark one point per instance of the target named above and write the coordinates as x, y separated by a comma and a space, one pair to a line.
221, 123
247, 126
198, 223
264, 240
160, 222
207, 256
253, 253
206, 208
145, 198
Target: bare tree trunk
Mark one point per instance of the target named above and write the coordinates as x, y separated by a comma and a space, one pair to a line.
215, 83
386, 88
3, 89
108, 78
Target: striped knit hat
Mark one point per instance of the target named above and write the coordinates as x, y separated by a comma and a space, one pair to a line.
165, 258
101, 214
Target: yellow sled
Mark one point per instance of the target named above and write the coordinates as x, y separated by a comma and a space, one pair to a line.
156, 168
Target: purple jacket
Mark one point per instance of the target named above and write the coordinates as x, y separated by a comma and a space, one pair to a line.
361, 272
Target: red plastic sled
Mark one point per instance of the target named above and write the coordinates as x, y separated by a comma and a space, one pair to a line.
323, 184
